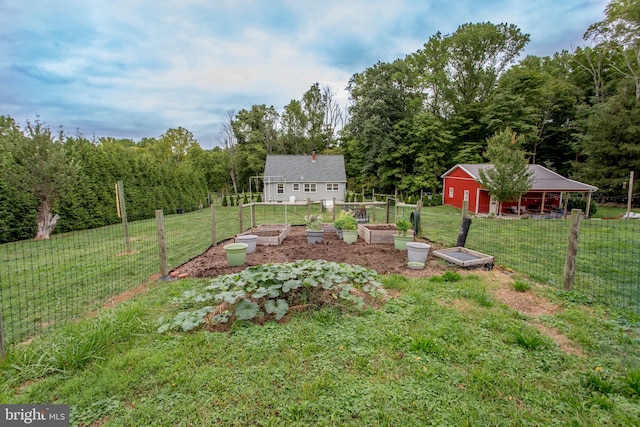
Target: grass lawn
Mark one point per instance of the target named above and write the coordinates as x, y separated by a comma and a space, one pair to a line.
608, 261
444, 352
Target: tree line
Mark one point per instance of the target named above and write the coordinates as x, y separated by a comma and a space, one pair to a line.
407, 122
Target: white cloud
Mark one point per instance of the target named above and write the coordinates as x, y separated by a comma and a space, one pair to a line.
138, 67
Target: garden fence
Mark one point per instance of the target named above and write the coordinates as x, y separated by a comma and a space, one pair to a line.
48, 283
607, 265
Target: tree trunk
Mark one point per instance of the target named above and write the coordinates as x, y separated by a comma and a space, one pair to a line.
46, 221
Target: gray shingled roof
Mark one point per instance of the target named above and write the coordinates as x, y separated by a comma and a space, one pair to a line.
545, 179
295, 168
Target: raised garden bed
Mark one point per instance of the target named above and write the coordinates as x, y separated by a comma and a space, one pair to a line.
270, 234
464, 257
378, 233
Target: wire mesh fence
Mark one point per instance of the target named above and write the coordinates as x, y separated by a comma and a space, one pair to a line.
607, 262
47, 283
44, 284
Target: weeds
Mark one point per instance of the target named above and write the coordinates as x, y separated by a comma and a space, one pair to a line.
521, 286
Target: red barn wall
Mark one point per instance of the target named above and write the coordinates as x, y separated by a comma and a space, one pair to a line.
455, 185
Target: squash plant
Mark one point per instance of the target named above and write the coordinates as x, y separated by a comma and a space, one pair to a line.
271, 289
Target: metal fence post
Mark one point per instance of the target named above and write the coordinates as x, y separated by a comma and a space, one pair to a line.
214, 238
572, 251
162, 244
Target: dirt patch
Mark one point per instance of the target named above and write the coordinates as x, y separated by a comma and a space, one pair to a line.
526, 303
383, 258
534, 306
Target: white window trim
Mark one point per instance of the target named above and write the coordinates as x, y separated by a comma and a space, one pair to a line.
296, 186
333, 186
280, 188
451, 192
310, 187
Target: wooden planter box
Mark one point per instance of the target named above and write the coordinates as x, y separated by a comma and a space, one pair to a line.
270, 234
464, 257
378, 233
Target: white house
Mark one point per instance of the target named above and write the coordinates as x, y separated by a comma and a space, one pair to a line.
298, 177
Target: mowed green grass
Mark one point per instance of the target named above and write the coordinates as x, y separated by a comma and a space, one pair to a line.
442, 352
608, 259
46, 283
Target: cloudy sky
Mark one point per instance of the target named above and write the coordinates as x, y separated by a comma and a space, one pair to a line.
135, 68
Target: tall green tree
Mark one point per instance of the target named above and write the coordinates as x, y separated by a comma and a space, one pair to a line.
609, 148
536, 99
460, 72
619, 33
42, 169
17, 208
509, 176
381, 99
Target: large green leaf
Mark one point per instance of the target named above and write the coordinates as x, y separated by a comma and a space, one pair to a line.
279, 307
291, 284
246, 310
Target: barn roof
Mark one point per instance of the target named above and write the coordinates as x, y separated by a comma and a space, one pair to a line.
544, 179
301, 168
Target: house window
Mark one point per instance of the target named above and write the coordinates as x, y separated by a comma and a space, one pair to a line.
333, 186
310, 187
280, 188
296, 187
466, 195
451, 192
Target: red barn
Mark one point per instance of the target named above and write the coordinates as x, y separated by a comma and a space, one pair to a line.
545, 197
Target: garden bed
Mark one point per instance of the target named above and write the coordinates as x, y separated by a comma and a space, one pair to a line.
385, 259
378, 233
464, 257
269, 234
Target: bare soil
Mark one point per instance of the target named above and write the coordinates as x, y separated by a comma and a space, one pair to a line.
383, 258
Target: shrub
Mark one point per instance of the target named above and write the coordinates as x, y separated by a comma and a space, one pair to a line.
581, 203
346, 220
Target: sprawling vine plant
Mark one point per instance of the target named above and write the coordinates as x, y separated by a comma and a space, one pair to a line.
272, 289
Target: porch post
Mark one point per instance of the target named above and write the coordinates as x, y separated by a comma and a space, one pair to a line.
586, 214
544, 194
566, 204
519, 204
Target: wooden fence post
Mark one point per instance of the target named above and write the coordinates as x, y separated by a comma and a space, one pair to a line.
3, 352
572, 251
387, 210
253, 215
240, 214
333, 219
122, 210
162, 244
465, 209
308, 206
214, 237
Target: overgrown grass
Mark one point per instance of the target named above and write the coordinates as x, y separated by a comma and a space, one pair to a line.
436, 355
